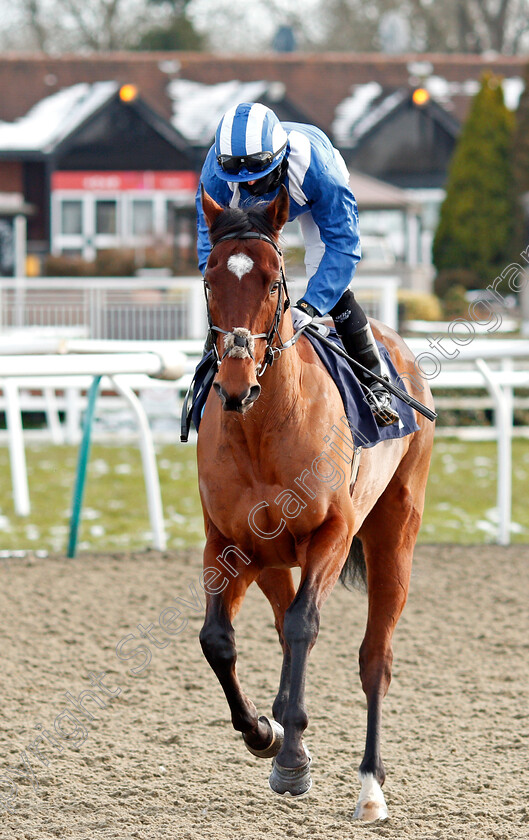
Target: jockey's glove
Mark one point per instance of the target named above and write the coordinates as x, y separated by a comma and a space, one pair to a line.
302, 315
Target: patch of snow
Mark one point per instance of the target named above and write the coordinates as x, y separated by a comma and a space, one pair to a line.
350, 110
438, 87
376, 114
419, 69
442, 90
512, 90
487, 527
32, 533
198, 108
468, 88
55, 117
123, 469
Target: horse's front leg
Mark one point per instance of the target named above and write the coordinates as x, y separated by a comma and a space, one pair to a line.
323, 562
278, 586
217, 638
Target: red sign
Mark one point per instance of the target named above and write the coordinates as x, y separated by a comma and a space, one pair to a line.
123, 181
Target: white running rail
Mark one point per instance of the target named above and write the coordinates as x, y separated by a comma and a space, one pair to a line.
118, 366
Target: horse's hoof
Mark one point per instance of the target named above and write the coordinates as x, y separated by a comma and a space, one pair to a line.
291, 781
371, 804
275, 744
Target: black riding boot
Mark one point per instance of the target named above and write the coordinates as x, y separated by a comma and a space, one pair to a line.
353, 328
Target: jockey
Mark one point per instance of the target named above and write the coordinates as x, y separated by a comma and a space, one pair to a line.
253, 154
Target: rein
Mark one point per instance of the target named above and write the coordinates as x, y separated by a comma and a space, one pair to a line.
239, 341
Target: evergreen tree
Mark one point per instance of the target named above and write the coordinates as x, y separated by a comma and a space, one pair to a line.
521, 169
476, 225
178, 33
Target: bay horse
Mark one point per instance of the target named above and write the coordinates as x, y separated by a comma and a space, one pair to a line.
273, 496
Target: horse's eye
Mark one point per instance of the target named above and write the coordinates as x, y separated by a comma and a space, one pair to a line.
274, 288
207, 286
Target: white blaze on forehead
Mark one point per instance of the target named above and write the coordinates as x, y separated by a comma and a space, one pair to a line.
240, 264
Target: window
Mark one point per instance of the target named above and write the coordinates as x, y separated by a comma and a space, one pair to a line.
142, 217
72, 217
106, 217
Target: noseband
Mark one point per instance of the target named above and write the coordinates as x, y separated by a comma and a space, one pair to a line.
239, 342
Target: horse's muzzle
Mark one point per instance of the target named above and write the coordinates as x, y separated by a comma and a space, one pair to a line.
240, 403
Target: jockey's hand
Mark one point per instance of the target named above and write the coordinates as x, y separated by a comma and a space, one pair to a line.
302, 315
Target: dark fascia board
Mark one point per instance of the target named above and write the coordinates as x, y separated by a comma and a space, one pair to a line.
50, 151
22, 155
154, 120
450, 123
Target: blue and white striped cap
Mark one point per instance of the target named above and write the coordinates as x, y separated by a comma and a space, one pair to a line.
247, 129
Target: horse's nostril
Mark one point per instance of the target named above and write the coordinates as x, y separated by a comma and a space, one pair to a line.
220, 392
255, 390
240, 402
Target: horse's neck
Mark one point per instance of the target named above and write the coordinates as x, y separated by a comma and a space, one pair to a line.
281, 386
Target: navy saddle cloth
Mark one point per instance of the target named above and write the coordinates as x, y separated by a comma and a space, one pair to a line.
360, 418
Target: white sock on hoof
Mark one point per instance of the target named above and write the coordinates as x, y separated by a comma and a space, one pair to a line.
371, 804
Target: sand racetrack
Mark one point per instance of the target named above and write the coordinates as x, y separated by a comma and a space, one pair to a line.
161, 759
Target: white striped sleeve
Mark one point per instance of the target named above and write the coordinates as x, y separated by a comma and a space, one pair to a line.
298, 164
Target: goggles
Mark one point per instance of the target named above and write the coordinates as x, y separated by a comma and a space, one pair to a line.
258, 162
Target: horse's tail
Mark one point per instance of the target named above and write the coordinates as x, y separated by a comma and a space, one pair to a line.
354, 572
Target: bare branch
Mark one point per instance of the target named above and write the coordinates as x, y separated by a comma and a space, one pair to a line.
33, 14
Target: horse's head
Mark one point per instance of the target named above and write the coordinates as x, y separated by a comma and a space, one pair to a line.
244, 287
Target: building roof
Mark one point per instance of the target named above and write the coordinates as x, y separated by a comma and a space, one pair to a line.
373, 194
54, 118
198, 108
363, 120
368, 114
370, 103
318, 84
84, 115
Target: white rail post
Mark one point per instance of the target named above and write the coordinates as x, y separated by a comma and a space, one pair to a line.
150, 469
73, 415
504, 419
52, 415
17, 454
389, 303
197, 323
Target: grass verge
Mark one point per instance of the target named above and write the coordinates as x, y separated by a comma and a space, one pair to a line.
460, 500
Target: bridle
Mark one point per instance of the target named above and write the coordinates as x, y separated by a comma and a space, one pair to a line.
241, 338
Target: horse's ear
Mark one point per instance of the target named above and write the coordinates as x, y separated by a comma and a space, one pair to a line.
277, 210
210, 207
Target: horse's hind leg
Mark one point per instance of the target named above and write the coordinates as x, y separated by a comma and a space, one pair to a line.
388, 536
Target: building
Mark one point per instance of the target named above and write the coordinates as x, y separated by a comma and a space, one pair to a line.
100, 167
14, 212
395, 118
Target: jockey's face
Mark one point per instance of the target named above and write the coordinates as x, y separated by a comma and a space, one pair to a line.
269, 183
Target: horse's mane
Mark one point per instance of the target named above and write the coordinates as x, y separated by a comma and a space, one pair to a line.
235, 221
